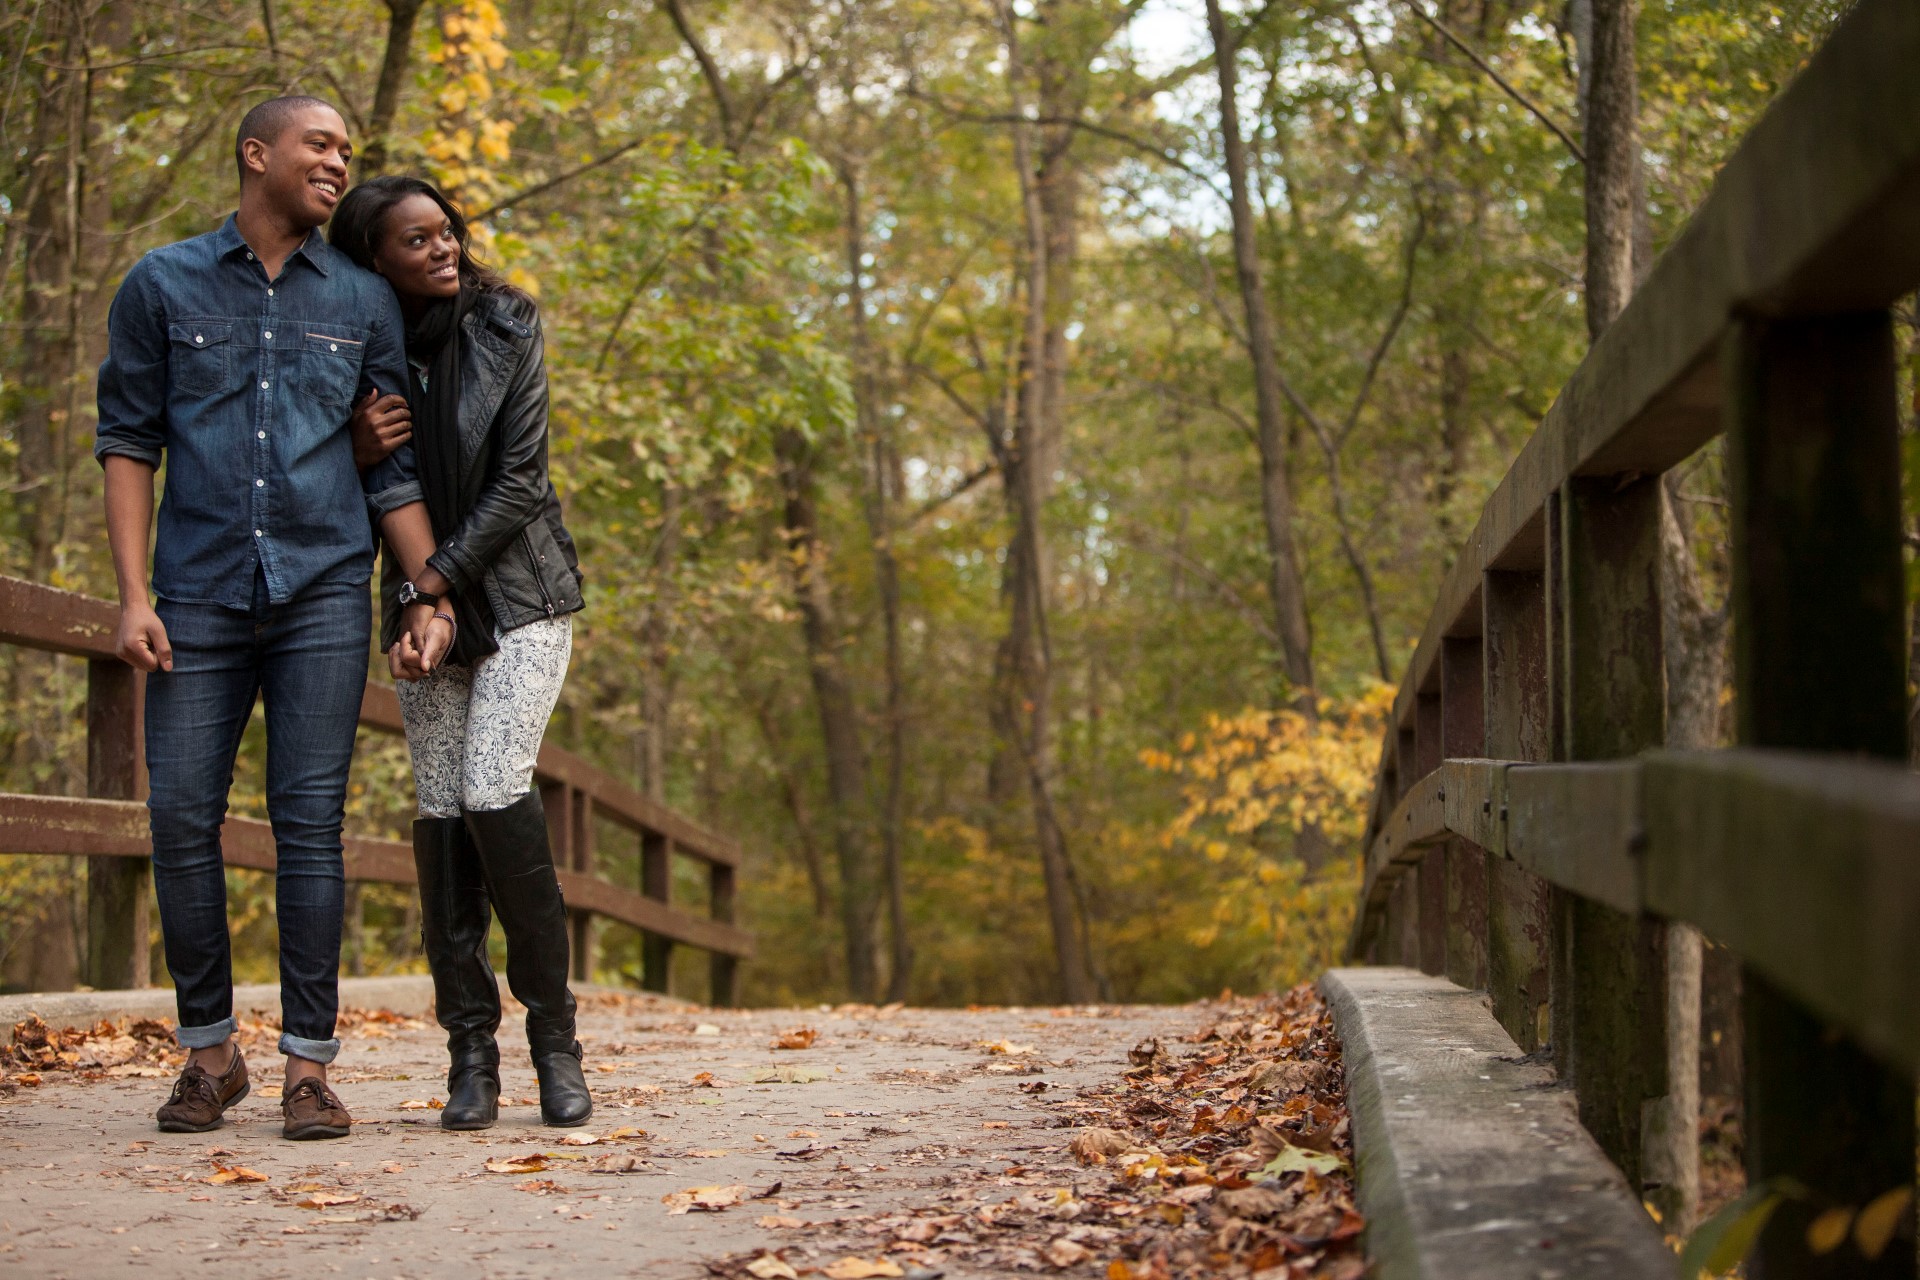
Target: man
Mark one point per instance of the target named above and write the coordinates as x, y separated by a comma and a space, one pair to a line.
236, 357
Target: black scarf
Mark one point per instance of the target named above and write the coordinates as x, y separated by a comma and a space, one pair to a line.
435, 339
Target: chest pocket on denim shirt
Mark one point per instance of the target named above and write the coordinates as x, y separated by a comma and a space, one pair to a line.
199, 357
330, 362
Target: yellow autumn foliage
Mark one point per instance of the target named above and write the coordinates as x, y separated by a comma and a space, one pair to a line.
1250, 770
465, 145
1275, 805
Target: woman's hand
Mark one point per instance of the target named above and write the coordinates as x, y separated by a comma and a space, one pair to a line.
426, 636
380, 424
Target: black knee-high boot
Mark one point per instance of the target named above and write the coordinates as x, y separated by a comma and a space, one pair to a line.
526, 895
454, 919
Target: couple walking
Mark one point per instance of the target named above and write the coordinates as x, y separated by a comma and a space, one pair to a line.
308, 394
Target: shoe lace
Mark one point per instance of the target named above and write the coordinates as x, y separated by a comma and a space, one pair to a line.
322, 1096
195, 1084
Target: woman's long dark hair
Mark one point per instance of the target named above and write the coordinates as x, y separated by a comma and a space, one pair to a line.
361, 220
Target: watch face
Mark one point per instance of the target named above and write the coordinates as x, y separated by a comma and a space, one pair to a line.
408, 593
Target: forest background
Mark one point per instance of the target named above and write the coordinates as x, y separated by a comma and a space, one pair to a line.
1002, 539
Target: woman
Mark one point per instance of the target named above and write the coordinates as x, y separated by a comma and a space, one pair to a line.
497, 586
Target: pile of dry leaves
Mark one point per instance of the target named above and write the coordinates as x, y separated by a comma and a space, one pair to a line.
1225, 1156
143, 1047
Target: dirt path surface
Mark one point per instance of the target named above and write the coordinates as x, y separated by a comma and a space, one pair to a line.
885, 1111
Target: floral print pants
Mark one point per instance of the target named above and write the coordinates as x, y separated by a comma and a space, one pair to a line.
474, 732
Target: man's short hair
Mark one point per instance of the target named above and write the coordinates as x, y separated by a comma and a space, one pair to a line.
268, 120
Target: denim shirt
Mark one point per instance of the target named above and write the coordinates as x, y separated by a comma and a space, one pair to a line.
244, 386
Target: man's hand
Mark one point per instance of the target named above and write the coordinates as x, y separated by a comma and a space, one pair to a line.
425, 637
403, 660
380, 424
142, 639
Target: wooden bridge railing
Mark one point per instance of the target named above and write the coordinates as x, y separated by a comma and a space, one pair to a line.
109, 825
1528, 836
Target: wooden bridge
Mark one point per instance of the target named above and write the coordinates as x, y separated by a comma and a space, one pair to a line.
109, 825
1529, 836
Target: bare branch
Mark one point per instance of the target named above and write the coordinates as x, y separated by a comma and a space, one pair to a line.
1480, 62
541, 188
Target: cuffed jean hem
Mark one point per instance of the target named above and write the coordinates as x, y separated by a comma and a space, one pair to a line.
205, 1037
320, 1051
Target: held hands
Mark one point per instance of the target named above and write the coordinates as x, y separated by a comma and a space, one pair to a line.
380, 424
142, 639
425, 637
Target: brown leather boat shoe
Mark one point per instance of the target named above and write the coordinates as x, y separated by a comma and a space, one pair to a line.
200, 1099
312, 1110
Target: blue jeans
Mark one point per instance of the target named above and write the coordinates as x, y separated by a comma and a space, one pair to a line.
309, 658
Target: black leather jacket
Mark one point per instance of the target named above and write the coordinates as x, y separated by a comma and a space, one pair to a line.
512, 545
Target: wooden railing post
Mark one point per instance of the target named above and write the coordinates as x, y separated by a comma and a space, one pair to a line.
725, 969
1514, 622
1430, 895
656, 882
1818, 595
118, 893
1463, 732
1401, 929
583, 932
1609, 647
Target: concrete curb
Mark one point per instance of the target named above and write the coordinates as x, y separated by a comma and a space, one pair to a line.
1471, 1161
410, 994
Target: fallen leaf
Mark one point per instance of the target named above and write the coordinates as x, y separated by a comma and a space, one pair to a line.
706, 1029
804, 1133
619, 1164
31, 1079
540, 1187
1294, 1159
1873, 1229
853, 1267
518, 1164
416, 1104
223, 1175
995, 1124
1097, 1145
705, 1199
328, 1199
779, 1221
798, 1038
1829, 1231
712, 1154
1006, 1047
768, 1267
787, 1075
625, 1131
579, 1140
1065, 1253
393, 1167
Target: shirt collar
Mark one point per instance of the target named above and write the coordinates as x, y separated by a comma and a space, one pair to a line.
318, 253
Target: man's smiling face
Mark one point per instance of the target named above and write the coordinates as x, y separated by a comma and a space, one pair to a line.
303, 172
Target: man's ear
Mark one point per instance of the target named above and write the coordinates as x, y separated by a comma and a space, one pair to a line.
253, 154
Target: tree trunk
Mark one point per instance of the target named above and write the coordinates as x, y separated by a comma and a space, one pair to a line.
1284, 583
394, 66
886, 573
1610, 117
1025, 678
839, 718
1694, 653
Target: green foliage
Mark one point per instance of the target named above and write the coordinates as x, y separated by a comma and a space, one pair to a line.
1422, 236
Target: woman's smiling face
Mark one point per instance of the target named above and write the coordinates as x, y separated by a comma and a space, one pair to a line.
418, 253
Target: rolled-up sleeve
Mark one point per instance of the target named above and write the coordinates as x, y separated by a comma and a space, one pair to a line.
393, 482
132, 391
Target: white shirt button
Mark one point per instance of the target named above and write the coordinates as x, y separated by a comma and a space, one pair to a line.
333, 346
269, 293
199, 337
249, 255
265, 385
263, 435
259, 484
269, 335
258, 534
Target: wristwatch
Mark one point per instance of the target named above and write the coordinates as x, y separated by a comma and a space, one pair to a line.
410, 594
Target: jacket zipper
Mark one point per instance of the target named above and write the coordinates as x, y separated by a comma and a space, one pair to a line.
539, 579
